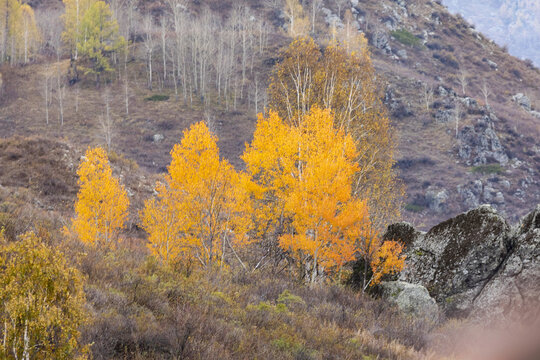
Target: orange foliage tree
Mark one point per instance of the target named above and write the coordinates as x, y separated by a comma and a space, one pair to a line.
201, 210
342, 78
306, 174
102, 203
379, 257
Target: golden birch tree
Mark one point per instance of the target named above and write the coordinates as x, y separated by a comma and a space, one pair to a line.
305, 175
20, 34
102, 202
201, 211
41, 302
344, 81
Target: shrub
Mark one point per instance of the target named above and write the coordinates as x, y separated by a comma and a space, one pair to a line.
406, 38
157, 97
488, 169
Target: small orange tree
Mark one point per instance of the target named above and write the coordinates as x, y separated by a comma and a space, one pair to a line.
378, 257
201, 210
102, 203
305, 173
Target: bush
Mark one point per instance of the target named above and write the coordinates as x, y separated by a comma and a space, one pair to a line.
406, 38
488, 169
157, 97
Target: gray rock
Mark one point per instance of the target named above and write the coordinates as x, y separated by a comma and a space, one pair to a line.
522, 100
479, 144
455, 259
471, 194
536, 114
412, 299
492, 64
499, 198
332, 19
381, 41
157, 138
444, 116
402, 54
437, 200
470, 103
515, 288
354, 3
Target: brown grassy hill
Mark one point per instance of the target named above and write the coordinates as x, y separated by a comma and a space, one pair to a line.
417, 45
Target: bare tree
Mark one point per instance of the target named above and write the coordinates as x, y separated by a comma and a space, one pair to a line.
486, 92
164, 45
341, 4
50, 24
60, 93
149, 46
126, 85
316, 6
46, 92
458, 112
105, 121
428, 95
463, 78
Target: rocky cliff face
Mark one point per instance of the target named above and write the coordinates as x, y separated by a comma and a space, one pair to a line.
476, 263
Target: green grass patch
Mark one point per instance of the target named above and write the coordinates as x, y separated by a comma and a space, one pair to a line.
414, 208
487, 169
157, 97
406, 38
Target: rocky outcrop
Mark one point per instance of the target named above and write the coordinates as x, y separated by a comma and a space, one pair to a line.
381, 41
475, 263
437, 199
412, 299
476, 192
523, 101
515, 288
480, 145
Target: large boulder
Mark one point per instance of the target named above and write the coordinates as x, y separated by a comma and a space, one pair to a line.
515, 288
476, 264
455, 259
412, 299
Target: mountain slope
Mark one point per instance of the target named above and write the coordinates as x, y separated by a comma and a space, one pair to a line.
421, 51
514, 23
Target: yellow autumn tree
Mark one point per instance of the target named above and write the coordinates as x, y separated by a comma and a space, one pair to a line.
73, 15
201, 211
342, 78
306, 174
41, 302
102, 202
20, 33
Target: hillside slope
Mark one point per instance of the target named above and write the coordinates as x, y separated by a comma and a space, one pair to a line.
491, 155
515, 24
